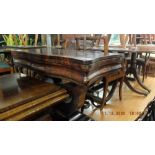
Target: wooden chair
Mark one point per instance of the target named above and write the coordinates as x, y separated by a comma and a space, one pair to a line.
142, 64
151, 66
89, 42
109, 80
143, 59
75, 41
68, 41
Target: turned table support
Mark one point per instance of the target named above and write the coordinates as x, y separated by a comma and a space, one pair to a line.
132, 70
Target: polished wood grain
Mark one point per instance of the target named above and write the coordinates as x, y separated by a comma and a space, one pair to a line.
30, 109
22, 97
82, 67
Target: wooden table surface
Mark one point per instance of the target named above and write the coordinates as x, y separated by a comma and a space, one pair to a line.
78, 66
137, 49
131, 50
18, 89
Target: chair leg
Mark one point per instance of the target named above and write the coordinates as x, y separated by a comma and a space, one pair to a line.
105, 90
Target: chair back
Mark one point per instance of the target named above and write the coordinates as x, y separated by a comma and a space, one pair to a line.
145, 55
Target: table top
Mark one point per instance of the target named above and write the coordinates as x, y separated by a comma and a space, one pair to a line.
7, 49
79, 66
76, 56
134, 49
138, 49
16, 90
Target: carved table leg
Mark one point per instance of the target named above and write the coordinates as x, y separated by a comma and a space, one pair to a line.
78, 93
133, 89
139, 81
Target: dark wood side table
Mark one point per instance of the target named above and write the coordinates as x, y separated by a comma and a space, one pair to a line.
82, 68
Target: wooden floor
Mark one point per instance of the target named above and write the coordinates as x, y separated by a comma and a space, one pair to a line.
128, 109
